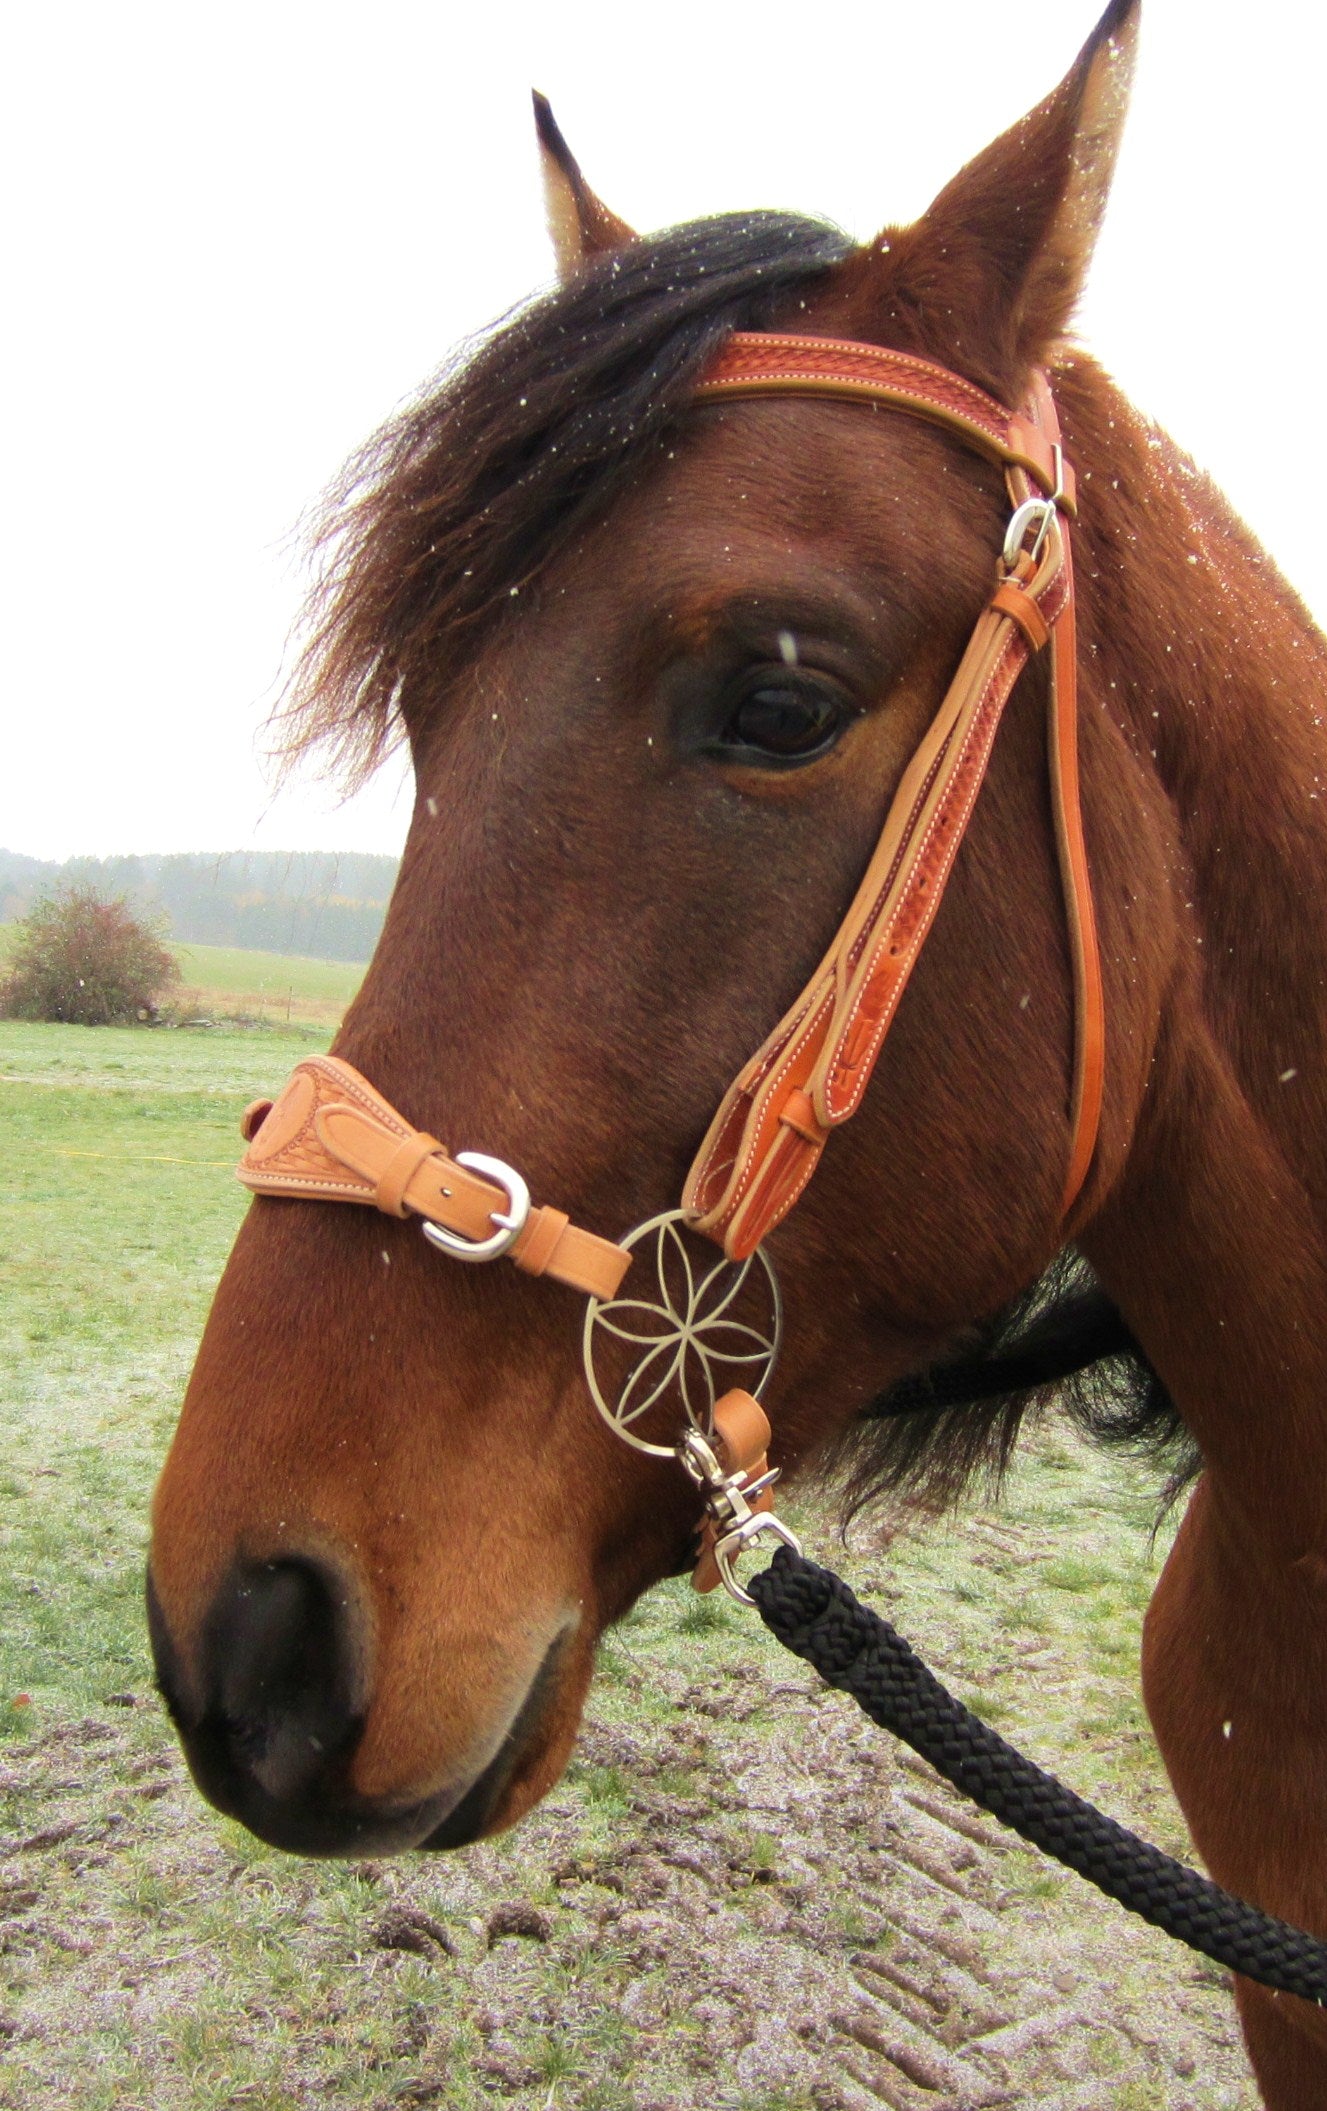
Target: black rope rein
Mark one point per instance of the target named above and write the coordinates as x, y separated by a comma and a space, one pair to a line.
813, 1613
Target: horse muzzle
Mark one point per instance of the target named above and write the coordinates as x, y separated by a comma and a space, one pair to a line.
273, 1705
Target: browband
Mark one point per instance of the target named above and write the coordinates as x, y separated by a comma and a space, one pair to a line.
762, 363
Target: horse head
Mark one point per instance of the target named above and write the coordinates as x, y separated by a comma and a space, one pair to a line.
661, 662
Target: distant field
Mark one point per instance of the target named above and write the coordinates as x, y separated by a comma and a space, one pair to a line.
276, 989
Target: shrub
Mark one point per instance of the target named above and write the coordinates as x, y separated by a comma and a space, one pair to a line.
85, 960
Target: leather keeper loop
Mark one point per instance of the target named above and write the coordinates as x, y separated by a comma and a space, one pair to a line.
538, 1242
1009, 599
253, 1117
401, 1169
798, 1114
741, 1432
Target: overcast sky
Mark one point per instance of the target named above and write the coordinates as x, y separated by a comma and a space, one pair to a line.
243, 235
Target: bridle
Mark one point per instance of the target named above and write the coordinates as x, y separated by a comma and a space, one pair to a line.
331, 1137
809, 1077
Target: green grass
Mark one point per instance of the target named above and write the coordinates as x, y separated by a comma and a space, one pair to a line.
119, 1208
277, 986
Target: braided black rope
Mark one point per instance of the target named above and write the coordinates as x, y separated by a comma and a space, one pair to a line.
813, 1613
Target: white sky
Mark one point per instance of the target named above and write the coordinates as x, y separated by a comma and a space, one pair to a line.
243, 235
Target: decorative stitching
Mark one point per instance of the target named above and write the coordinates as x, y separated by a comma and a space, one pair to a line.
1053, 593
987, 715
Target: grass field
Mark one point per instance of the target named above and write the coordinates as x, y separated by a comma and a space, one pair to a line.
271, 989
733, 1898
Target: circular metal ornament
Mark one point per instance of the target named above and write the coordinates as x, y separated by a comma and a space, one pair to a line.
704, 1325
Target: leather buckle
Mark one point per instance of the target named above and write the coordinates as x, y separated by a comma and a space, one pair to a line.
1034, 517
510, 1222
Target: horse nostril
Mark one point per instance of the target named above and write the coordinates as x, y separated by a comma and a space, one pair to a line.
280, 1665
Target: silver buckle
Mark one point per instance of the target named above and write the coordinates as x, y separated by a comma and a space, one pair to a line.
1034, 513
510, 1221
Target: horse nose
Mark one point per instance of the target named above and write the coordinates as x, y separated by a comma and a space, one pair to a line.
271, 1690
277, 1663
274, 1701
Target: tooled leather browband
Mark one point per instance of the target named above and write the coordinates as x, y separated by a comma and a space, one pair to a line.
331, 1137
763, 363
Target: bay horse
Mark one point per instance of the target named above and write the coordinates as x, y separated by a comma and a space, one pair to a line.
661, 660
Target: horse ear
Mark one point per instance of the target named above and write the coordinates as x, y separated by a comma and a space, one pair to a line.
579, 224
994, 268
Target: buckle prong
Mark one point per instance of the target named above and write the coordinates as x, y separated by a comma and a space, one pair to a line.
1035, 513
510, 1221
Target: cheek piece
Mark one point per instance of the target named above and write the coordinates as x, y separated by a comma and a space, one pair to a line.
702, 1339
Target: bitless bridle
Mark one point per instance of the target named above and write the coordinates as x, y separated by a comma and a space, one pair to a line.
331, 1136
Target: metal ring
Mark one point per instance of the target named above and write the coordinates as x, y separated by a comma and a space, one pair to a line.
510, 1222
682, 1349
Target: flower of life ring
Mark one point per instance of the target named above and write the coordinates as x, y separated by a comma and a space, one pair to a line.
712, 1324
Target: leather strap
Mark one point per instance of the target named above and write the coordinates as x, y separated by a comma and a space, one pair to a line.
763, 363
809, 1076
332, 1138
740, 1434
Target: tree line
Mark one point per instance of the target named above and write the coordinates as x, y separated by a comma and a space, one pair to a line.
327, 905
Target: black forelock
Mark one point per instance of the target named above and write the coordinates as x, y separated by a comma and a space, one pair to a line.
513, 450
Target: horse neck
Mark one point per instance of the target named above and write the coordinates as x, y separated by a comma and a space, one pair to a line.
1214, 1241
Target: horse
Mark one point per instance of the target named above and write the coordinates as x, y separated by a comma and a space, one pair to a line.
662, 657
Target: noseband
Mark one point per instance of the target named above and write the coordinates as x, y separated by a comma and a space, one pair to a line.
331, 1137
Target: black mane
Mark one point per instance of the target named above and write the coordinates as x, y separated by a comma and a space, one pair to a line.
1062, 1344
506, 456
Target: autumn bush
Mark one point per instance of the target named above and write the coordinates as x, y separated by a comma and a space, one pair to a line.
85, 960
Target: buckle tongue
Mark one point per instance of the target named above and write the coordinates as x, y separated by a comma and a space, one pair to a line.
510, 1221
1033, 518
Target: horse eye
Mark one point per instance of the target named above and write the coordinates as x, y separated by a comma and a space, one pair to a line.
783, 718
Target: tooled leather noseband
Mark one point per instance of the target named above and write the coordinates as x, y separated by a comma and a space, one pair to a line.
331, 1137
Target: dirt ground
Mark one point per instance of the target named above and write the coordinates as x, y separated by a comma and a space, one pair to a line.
743, 1895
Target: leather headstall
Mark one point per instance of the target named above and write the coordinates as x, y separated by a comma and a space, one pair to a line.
809, 1076
331, 1137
